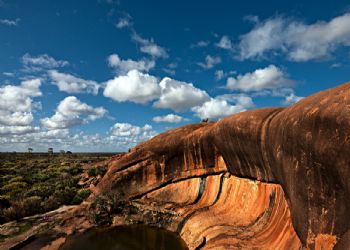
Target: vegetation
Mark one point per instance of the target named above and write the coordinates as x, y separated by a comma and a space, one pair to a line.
32, 183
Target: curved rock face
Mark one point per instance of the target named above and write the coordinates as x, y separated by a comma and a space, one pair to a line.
293, 188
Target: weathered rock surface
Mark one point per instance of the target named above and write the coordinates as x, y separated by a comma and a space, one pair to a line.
273, 178
303, 149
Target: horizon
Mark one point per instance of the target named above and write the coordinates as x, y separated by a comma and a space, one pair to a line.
104, 75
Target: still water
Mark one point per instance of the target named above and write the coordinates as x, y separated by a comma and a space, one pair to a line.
136, 237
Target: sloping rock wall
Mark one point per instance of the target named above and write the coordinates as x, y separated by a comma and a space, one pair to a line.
303, 151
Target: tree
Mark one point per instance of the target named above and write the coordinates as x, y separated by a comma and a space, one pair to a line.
30, 150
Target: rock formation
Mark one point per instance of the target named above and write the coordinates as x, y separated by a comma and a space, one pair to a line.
296, 157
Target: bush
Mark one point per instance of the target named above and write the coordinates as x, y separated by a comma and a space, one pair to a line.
92, 172
43, 190
80, 196
102, 209
51, 203
65, 195
32, 205
105, 205
14, 188
21, 208
16, 179
100, 170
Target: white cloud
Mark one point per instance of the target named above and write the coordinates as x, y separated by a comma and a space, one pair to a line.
220, 74
130, 135
123, 66
17, 130
336, 65
270, 77
291, 99
9, 74
124, 22
71, 112
225, 43
41, 62
220, 106
299, 41
154, 50
19, 98
15, 118
72, 84
200, 44
134, 87
252, 19
119, 138
142, 88
179, 96
9, 22
170, 69
210, 62
16, 106
171, 118
149, 47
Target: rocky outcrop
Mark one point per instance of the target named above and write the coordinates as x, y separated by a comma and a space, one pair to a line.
293, 188
273, 178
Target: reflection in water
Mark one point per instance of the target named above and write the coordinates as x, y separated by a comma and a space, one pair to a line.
136, 237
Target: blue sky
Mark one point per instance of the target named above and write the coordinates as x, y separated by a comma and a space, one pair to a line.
103, 75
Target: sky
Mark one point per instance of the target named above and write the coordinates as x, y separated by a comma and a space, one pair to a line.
105, 75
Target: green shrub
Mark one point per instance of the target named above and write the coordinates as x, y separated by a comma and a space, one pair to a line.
51, 203
80, 196
65, 195
100, 170
32, 205
92, 172
43, 190
16, 179
14, 188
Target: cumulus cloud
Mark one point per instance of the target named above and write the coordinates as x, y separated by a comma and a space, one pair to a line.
72, 84
270, 77
16, 106
17, 130
10, 22
123, 66
221, 106
210, 62
149, 46
41, 62
298, 40
179, 96
19, 98
225, 43
134, 87
129, 134
71, 112
119, 138
171, 118
142, 88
